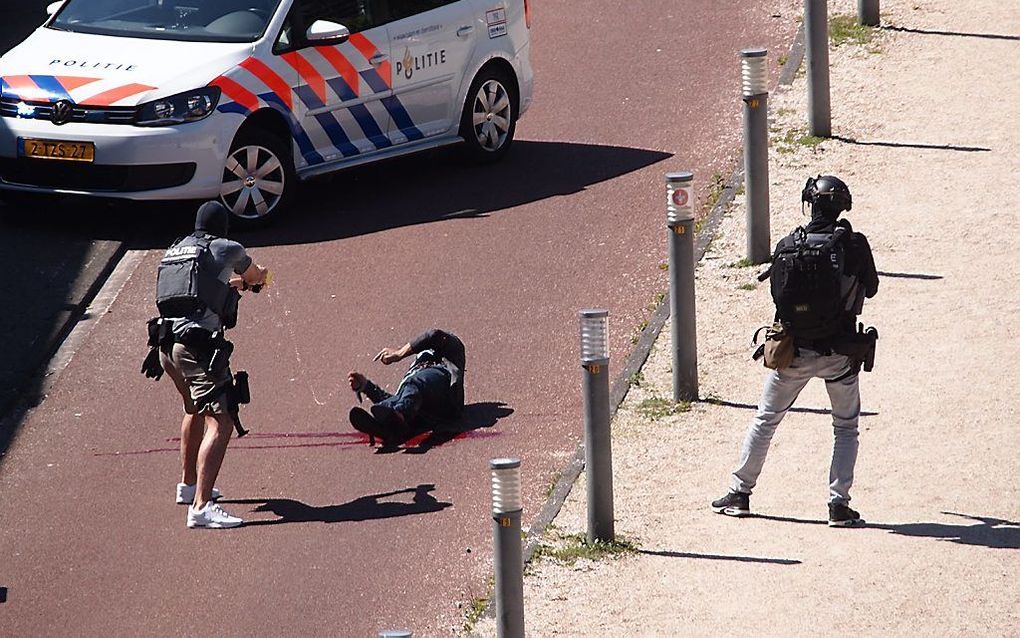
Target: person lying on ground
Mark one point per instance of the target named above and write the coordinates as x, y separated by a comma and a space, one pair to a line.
431, 392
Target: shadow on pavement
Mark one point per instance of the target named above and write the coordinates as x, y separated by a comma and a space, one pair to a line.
908, 275
989, 36
739, 559
930, 147
418, 190
750, 406
365, 508
995, 533
789, 519
476, 416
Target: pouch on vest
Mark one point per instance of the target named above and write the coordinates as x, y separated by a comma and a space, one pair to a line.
809, 285
778, 350
187, 283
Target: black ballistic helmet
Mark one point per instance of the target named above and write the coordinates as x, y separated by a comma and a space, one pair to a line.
828, 193
212, 219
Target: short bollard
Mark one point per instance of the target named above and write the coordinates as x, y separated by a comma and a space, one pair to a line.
867, 13
506, 538
395, 633
755, 94
680, 220
598, 443
816, 53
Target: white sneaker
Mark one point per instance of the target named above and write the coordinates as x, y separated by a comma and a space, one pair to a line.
211, 516
186, 494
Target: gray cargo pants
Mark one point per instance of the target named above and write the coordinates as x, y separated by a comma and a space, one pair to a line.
781, 390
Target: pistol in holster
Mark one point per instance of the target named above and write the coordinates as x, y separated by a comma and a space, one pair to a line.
860, 347
219, 353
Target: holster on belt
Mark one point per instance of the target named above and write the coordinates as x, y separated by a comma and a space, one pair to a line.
160, 337
859, 346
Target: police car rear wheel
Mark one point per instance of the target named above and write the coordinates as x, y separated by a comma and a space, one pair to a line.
256, 178
489, 122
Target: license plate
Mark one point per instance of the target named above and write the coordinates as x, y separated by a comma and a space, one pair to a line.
54, 150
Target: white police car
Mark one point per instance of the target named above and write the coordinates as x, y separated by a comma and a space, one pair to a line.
241, 99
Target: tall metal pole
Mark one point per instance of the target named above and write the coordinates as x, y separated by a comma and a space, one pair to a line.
867, 13
507, 506
598, 444
684, 331
816, 23
754, 87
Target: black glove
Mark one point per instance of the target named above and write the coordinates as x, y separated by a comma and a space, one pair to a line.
151, 367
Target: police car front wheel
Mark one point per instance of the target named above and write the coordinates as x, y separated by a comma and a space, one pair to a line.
256, 178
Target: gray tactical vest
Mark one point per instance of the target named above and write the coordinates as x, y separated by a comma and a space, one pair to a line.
187, 283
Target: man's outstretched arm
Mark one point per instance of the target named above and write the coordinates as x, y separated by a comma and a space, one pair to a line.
361, 383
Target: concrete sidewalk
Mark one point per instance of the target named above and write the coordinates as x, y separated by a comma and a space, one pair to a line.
926, 110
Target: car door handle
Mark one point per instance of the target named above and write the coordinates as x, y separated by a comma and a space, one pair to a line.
464, 32
378, 59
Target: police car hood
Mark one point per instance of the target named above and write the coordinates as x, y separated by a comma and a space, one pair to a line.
106, 70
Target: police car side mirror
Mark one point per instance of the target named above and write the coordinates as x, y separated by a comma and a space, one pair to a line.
325, 32
53, 7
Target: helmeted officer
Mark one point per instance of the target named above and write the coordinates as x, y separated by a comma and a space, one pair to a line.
826, 343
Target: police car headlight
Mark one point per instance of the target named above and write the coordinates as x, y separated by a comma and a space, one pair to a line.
179, 109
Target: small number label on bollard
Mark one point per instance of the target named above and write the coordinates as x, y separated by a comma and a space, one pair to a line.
753, 103
595, 369
504, 521
681, 230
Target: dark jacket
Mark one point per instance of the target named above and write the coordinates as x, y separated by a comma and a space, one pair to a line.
433, 348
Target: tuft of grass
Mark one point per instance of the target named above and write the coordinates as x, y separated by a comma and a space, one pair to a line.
743, 262
741, 190
663, 265
635, 380
797, 137
843, 29
716, 186
783, 59
571, 548
655, 408
748, 286
474, 612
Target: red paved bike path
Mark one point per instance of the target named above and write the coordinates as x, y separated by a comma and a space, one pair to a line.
503, 256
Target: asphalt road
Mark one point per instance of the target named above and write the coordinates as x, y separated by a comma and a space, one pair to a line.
343, 540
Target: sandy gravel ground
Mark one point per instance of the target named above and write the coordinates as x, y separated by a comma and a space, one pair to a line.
934, 181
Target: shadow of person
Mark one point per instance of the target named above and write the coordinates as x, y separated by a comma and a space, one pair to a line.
365, 508
995, 533
476, 416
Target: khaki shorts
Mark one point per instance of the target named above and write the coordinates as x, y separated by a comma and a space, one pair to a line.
197, 386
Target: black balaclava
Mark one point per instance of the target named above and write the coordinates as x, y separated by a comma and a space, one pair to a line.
212, 219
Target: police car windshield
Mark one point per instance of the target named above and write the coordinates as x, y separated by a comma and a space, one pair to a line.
189, 20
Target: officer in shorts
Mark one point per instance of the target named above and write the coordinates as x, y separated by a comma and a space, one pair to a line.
187, 350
